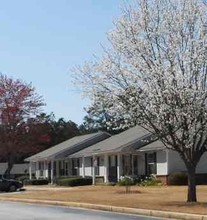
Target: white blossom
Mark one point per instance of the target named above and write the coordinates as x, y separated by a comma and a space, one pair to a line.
155, 73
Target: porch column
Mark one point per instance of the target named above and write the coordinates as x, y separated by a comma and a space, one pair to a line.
52, 172
30, 170
83, 167
45, 169
37, 171
93, 171
106, 165
119, 166
132, 165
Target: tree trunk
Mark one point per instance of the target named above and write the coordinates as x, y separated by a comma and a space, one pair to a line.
191, 184
9, 167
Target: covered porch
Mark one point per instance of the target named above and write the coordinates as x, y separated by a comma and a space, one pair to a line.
117, 156
110, 167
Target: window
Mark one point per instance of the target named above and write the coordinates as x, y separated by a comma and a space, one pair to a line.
75, 167
126, 161
135, 164
66, 168
151, 163
113, 161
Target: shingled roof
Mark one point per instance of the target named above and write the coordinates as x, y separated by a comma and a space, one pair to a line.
70, 146
156, 145
126, 141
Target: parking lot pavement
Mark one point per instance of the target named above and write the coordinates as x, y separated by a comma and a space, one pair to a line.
22, 211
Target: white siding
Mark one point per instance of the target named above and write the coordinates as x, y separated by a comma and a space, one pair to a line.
176, 164
162, 162
101, 166
80, 169
202, 165
88, 168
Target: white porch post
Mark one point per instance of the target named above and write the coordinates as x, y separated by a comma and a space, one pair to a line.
30, 170
37, 171
52, 172
119, 166
132, 165
45, 169
106, 165
83, 167
93, 171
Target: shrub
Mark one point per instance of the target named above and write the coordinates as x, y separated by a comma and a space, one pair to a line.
74, 181
126, 181
23, 178
179, 178
149, 181
36, 182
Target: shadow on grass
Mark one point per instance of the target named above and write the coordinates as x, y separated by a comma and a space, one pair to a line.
22, 190
185, 204
129, 192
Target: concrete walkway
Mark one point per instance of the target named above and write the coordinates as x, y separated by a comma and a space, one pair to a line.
48, 188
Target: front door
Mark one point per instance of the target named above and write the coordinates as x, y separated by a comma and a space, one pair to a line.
113, 168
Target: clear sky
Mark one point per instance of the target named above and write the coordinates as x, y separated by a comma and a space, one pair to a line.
42, 40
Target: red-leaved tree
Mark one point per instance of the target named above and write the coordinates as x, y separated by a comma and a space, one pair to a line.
18, 103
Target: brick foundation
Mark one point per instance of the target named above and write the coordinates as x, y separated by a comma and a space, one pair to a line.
201, 178
163, 179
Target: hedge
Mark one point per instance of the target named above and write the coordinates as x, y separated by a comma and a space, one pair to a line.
36, 182
23, 178
74, 181
178, 178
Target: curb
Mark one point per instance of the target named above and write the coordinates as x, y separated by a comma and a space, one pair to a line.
144, 212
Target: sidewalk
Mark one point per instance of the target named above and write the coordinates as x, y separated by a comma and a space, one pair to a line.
47, 188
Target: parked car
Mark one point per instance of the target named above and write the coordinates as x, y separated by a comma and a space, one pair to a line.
10, 185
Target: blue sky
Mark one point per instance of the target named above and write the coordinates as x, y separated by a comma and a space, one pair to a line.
42, 40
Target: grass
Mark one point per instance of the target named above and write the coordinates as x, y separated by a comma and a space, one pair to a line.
168, 198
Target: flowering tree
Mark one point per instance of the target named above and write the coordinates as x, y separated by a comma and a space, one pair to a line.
155, 75
18, 103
